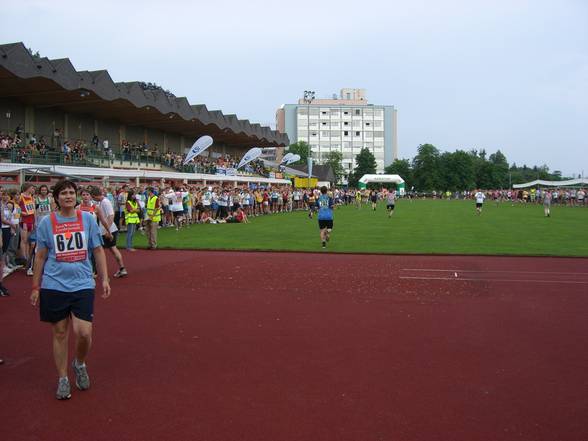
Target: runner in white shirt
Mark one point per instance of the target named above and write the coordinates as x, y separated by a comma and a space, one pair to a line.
479, 201
108, 228
176, 206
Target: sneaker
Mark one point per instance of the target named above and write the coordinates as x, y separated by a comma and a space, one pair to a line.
30, 272
3, 291
82, 378
63, 389
120, 273
324, 244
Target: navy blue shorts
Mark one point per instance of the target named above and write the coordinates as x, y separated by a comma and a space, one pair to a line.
325, 224
55, 306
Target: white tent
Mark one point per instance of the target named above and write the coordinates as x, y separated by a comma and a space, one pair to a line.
383, 179
540, 182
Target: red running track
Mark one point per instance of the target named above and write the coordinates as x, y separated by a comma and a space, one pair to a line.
283, 347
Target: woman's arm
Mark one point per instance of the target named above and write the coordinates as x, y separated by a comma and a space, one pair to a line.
40, 259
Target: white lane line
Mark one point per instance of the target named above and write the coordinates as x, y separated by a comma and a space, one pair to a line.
490, 271
458, 279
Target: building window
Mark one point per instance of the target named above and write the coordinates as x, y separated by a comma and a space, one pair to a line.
357, 112
324, 124
345, 123
313, 134
345, 112
325, 134
323, 113
367, 124
357, 134
345, 133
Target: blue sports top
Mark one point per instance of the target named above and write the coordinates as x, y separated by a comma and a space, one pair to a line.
74, 275
325, 207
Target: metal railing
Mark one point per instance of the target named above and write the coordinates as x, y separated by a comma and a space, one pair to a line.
93, 158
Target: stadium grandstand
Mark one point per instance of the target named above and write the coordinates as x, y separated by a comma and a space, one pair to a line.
54, 118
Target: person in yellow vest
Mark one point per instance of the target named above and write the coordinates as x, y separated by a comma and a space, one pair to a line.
153, 217
132, 220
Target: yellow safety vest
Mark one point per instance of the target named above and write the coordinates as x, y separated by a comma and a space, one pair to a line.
153, 214
132, 218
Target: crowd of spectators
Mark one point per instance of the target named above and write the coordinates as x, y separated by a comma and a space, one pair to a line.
25, 147
154, 87
559, 196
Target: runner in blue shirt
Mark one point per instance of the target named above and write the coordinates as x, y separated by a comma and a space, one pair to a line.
63, 282
324, 204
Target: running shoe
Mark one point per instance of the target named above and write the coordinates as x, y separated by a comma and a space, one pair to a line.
82, 378
30, 272
3, 291
121, 273
63, 389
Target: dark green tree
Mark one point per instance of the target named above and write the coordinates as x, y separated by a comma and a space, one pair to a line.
499, 170
365, 164
456, 171
334, 159
300, 148
425, 166
402, 168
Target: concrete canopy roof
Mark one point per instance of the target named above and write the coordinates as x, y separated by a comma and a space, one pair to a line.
41, 82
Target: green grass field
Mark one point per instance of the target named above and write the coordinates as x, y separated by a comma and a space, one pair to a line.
419, 227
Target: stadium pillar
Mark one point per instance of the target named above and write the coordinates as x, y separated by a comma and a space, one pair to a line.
29, 122
65, 127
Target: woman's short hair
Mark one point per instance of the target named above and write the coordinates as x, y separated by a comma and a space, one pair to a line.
62, 185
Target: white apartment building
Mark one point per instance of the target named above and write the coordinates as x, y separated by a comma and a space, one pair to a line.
346, 123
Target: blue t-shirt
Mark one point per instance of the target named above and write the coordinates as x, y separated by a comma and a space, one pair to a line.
68, 276
325, 207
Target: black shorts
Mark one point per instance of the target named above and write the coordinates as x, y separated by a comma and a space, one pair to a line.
55, 306
390, 206
478, 205
110, 243
325, 224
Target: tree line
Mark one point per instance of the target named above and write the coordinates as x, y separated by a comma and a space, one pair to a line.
432, 169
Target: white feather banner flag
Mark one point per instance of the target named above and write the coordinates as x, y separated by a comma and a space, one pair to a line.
286, 157
251, 155
199, 146
292, 159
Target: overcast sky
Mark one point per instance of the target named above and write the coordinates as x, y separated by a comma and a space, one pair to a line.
501, 74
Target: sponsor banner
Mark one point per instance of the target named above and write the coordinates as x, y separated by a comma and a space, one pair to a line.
305, 182
226, 171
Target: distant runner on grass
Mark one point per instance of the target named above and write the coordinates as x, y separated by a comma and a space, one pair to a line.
479, 201
390, 202
325, 215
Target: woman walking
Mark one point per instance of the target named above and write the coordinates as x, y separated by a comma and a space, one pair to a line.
63, 282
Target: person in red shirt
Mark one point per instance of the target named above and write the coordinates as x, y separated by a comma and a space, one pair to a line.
27, 220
